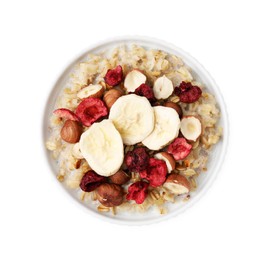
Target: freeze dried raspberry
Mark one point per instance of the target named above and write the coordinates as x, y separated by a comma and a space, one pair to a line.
137, 191
114, 77
145, 91
187, 92
155, 173
179, 148
137, 160
90, 110
66, 114
91, 180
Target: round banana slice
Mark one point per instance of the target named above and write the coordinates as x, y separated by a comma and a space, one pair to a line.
101, 145
133, 116
166, 129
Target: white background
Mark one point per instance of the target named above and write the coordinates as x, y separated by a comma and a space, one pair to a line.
39, 38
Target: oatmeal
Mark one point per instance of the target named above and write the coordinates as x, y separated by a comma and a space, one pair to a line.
133, 130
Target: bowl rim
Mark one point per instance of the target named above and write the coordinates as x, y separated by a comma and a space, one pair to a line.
201, 71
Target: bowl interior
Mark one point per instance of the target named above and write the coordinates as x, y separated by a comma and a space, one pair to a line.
215, 158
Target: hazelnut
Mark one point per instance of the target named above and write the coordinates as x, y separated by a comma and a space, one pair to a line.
109, 194
177, 184
111, 96
71, 131
168, 158
175, 106
120, 177
191, 127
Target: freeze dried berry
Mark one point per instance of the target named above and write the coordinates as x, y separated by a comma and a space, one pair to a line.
114, 77
91, 180
66, 114
90, 110
155, 173
137, 191
137, 160
187, 92
145, 91
179, 148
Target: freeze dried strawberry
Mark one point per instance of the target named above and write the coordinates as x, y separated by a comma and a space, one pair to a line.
187, 92
137, 160
179, 148
155, 173
145, 91
91, 180
114, 77
66, 114
90, 110
137, 191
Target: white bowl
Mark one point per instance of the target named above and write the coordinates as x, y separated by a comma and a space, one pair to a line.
216, 157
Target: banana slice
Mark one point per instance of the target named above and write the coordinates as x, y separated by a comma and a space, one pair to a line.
166, 128
101, 145
133, 117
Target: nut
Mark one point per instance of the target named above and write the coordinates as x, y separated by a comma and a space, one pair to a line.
175, 106
168, 158
111, 96
120, 177
71, 131
191, 128
95, 91
76, 152
110, 195
162, 88
177, 184
133, 80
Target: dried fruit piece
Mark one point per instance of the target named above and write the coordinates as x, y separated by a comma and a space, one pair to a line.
155, 173
93, 90
133, 80
137, 160
114, 77
111, 96
162, 88
120, 177
168, 158
66, 114
179, 148
90, 110
71, 131
177, 184
191, 128
110, 195
91, 180
175, 106
137, 191
187, 92
145, 91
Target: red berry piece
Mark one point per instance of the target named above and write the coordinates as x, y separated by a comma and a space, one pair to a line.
179, 148
137, 160
187, 92
114, 77
145, 91
66, 114
91, 180
137, 191
90, 110
155, 173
